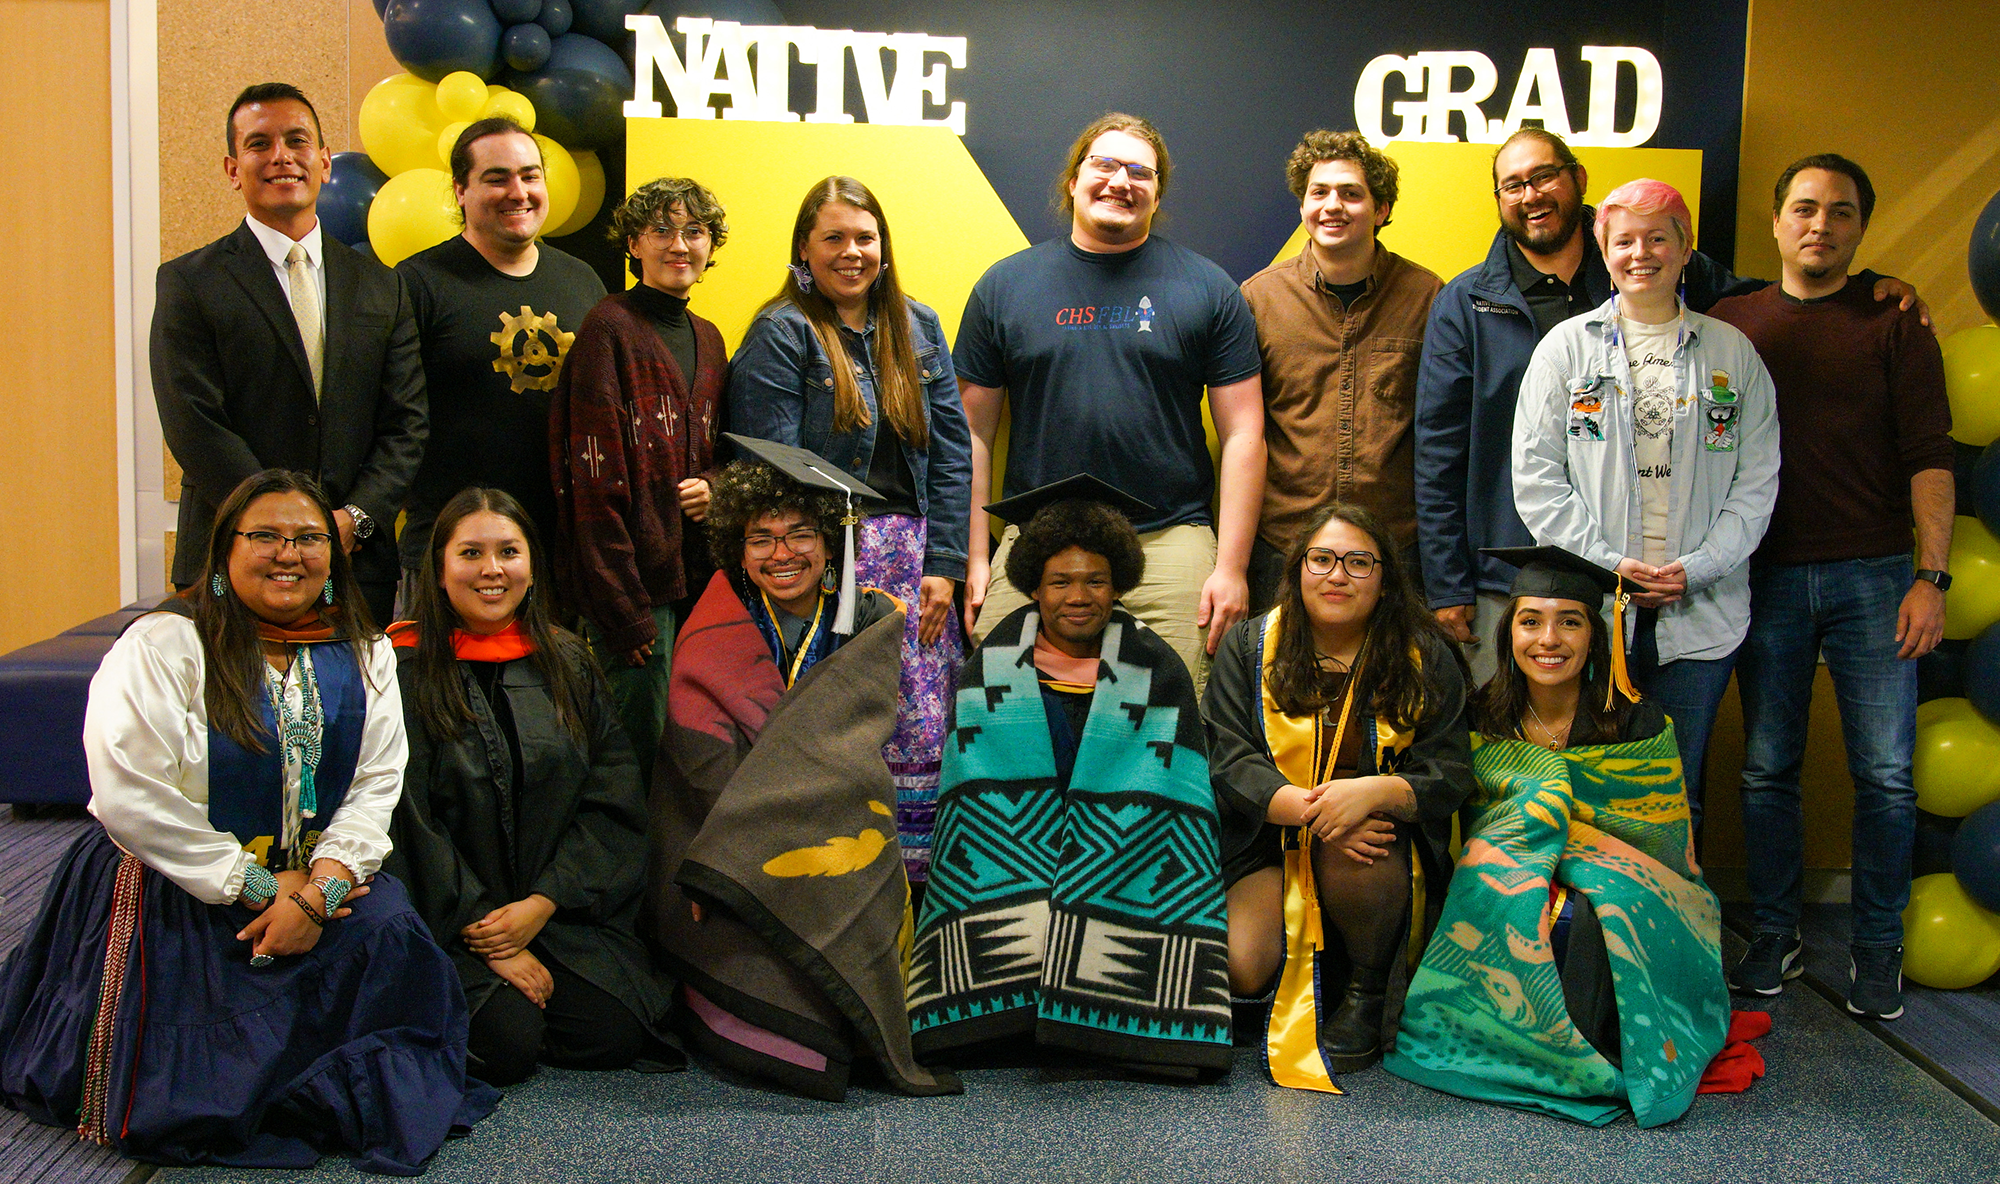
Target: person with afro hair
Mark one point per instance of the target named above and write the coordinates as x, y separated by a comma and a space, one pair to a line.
1082, 822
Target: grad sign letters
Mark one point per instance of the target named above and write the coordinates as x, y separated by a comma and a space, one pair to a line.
750, 66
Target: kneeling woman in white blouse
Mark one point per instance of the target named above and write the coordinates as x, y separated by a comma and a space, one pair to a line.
214, 977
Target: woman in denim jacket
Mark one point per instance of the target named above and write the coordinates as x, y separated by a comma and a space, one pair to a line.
842, 363
1646, 441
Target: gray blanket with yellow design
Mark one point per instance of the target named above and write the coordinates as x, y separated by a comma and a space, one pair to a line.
772, 811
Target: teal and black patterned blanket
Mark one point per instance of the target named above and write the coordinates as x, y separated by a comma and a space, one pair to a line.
1091, 919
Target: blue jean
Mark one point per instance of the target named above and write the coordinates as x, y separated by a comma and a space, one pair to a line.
1846, 611
1689, 691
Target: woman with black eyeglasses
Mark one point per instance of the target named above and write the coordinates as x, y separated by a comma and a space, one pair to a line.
219, 975
1339, 754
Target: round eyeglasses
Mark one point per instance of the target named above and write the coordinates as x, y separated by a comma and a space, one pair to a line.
1359, 565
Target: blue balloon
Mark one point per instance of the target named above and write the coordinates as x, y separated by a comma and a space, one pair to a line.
344, 199
1983, 260
516, 12
604, 19
556, 17
1975, 855
526, 47
1941, 673
1982, 673
433, 38
574, 51
575, 108
380, 5
1986, 487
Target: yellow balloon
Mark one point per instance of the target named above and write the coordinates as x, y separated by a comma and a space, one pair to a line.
1972, 381
1974, 602
400, 122
460, 95
564, 180
590, 194
449, 137
413, 211
1957, 767
502, 101
1949, 941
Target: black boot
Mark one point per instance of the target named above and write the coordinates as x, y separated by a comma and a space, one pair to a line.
1352, 1036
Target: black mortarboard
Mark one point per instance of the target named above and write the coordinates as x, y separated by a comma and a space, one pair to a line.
1081, 487
1554, 572
814, 471
808, 468
1560, 575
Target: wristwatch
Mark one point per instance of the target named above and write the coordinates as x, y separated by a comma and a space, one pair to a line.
1931, 575
363, 524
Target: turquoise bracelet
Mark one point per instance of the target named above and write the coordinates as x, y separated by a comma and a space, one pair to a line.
334, 889
259, 885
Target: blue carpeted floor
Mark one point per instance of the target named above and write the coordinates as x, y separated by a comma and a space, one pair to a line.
1838, 1106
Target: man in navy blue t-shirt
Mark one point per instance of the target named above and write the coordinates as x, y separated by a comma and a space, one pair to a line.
1100, 346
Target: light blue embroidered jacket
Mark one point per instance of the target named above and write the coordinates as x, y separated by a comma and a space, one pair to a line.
1575, 471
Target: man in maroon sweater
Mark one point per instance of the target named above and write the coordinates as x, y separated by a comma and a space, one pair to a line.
1866, 478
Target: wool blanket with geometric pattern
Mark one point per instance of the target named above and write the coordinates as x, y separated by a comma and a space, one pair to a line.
1091, 919
1486, 1016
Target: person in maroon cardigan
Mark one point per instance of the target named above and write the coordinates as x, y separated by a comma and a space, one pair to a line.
632, 449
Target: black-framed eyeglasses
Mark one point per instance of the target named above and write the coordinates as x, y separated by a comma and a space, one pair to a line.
803, 541
266, 544
1359, 565
1109, 165
665, 233
1541, 181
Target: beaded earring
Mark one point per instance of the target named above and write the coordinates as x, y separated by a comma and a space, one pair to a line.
326, 592
217, 585
801, 275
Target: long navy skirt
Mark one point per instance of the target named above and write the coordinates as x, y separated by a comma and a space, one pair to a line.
356, 1048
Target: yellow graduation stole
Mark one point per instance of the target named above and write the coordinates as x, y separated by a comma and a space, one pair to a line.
1305, 754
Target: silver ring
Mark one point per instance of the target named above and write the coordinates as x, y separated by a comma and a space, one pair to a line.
261, 959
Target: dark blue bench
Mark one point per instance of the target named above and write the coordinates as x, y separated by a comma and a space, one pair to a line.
43, 689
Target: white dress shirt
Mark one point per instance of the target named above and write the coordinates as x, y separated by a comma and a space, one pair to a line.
145, 736
278, 246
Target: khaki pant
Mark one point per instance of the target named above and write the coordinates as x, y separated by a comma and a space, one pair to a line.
1178, 561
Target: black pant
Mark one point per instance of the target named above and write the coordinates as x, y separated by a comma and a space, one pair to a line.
582, 1027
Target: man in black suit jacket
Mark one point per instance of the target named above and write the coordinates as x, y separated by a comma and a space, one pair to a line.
276, 346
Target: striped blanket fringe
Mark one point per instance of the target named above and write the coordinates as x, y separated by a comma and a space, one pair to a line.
92, 1123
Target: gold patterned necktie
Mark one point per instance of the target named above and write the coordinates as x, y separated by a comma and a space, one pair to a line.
305, 306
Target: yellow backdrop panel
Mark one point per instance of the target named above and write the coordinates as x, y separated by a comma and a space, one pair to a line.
761, 171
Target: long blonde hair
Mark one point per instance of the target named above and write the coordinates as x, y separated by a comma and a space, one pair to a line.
898, 391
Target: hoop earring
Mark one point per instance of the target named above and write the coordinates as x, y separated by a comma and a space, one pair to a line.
217, 585
801, 275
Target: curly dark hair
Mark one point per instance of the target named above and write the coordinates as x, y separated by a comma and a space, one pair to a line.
649, 204
1320, 146
1093, 526
749, 489
1400, 623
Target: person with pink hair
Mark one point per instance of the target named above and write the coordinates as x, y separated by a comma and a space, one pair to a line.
1646, 441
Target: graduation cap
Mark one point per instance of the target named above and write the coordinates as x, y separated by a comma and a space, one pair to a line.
1022, 507
814, 471
1560, 575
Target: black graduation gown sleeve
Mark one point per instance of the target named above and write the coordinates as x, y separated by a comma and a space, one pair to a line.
443, 886
1438, 762
1241, 771
598, 867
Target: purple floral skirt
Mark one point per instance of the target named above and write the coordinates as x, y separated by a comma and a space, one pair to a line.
889, 554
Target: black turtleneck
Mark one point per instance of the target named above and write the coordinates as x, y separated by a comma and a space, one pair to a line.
669, 317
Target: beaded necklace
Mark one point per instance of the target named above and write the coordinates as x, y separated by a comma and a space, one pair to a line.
299, 733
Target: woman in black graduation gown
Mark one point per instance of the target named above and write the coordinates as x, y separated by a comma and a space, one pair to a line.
1336, 806
522, 826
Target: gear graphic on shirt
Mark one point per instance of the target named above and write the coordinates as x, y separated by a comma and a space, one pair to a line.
536, 361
